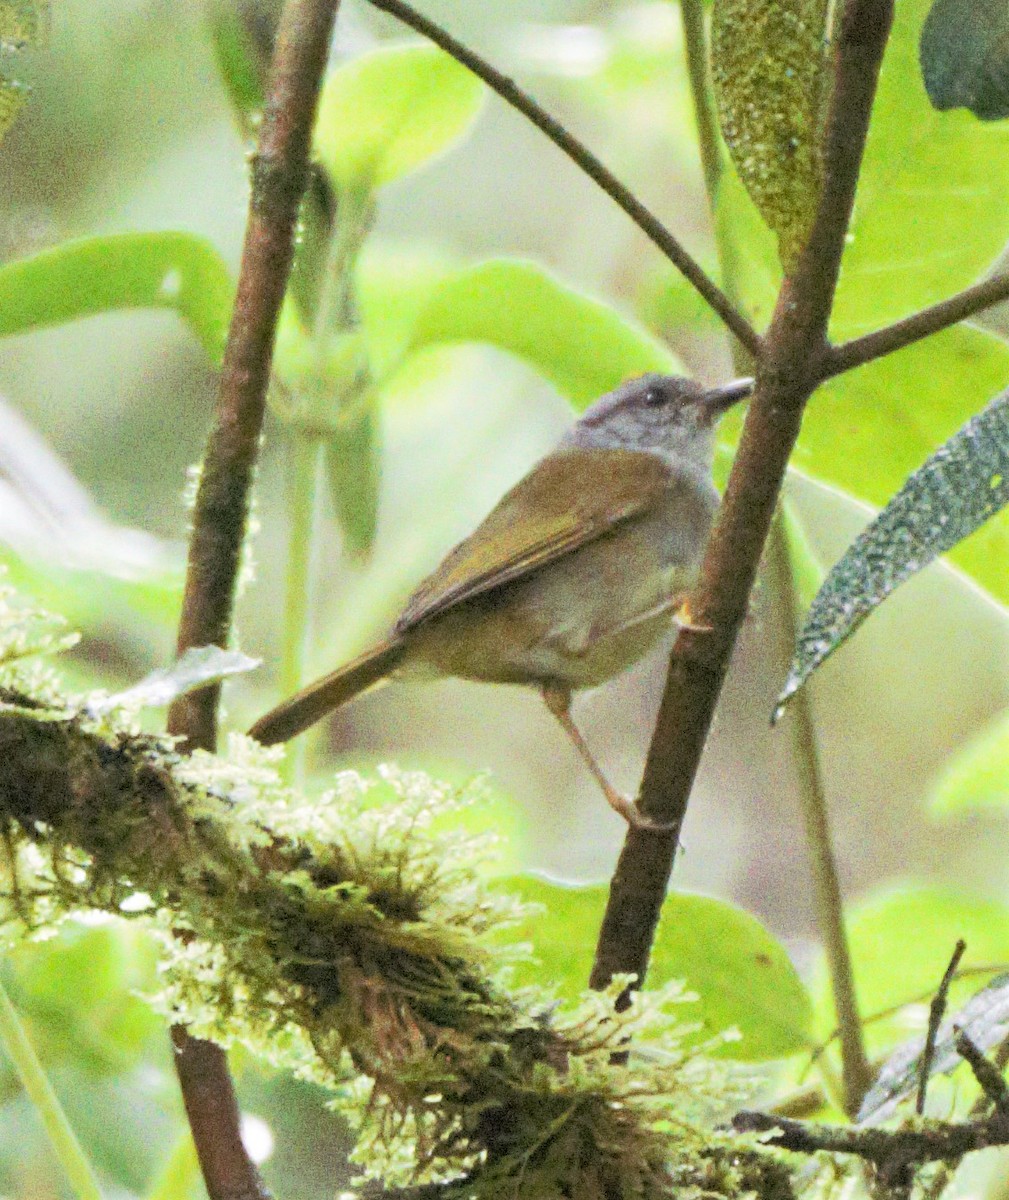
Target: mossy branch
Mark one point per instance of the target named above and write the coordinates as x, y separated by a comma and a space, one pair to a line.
347, 943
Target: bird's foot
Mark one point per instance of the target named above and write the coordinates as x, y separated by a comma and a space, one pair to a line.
633, 815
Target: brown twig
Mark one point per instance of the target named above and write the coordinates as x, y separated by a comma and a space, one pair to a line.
787, 372
580, 154
936, 1012
987, 1074
891, 1151
856, 1073
896, 1153
279, 176
919, 325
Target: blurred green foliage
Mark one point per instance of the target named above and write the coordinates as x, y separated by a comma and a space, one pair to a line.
403, 292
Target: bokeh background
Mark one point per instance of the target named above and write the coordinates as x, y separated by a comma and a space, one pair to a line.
128, 128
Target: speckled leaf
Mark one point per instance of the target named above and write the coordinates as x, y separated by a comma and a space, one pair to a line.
962, 484
984, 1019
964, 54
771, 74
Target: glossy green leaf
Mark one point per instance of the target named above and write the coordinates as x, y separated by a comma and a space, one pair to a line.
964, 53
243, 60
930, 213
771, 70
963, 484
984, 1019
741, 974
580, 345
868, 430
82, 278
390, 111
901, 941
977, 776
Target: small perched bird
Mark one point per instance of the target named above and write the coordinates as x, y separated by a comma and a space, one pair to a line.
572, 577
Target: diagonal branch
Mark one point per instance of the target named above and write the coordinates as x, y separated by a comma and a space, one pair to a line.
919, 325
279, 177
787, 372
580, 154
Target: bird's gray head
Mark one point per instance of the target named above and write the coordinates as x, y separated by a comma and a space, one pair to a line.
664, 414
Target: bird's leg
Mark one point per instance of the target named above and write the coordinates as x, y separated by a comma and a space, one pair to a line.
558, 699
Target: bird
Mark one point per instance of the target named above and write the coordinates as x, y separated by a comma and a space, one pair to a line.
576, 572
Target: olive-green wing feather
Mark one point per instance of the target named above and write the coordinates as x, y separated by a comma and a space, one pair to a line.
549, 513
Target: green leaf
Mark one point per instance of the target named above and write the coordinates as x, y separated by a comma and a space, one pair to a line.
772, 74
978, 775
749, 250
243, 60
901, 941
352, 464
741, 974
82, 278
198, 667
930, 213
964, 53
390, 111
78, 993
957, 489
984, 1019
580, 345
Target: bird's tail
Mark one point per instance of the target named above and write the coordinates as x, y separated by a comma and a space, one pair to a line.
311, 704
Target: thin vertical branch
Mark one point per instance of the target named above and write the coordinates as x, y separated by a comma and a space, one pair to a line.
856, 1073
787, 371
696, 44
279, 176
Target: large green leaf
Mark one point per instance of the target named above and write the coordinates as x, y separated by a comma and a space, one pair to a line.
901, 941
390, 111
582, 346
771, 72
978, 775
930, 214
172, 270
741, 974
955, 491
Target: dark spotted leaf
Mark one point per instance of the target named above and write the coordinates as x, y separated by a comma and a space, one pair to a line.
964, 55
962, 484
984, 1019
771, 73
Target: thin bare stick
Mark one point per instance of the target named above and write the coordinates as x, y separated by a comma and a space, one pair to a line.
856, 1074
696, 45
579, 154
916, 327
936, 1011
279, 177
987, 1074
788, 369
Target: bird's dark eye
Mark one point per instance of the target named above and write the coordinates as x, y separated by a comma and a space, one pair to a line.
654, 397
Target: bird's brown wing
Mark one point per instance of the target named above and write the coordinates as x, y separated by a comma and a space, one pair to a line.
549, 513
